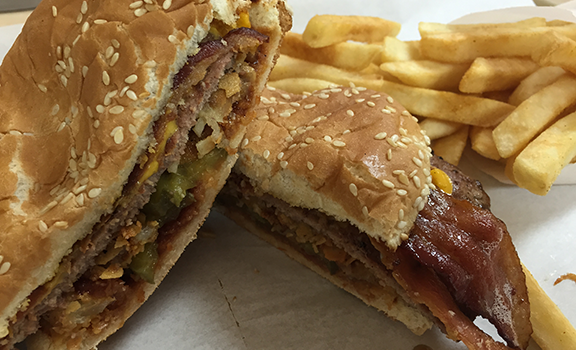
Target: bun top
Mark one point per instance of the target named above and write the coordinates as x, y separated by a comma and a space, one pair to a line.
349, 152
79, 92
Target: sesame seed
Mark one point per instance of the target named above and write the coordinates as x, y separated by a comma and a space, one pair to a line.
425, 191
80, 189
293, 146
360, 100
301, 131
71, 64
365, 210
289, 139
398, 172
66, 199
308, 128
64, 80
417, 161
420, 154
62, 64
355, 91
79, 18
132, 129
361, 88
4, 268
131, 79
402, 192
94, 192
283, 164
389, 99
172, 39
284, 114
105, 78
42, 226
73, 152
392, 142
376, 96
303, 145
380, 136
338, 143
80, 199
280, 155
115, 43
91, 161
310, 106
55, 109
406, 113
123, 91
421, 205
285, 96
54, 11
347, 93
293, 133
264, 117
119, 136
388, 184
347, 131
59, 52
417, 202
271, 88
370, 104
115, 58
85, 27
294, 104
84, 71
140, 12
310, 165
403, 131
61, 127
353, 189
413, 173
406, 139
327, 138
323, 96
350, 113
100, 21
403, 179
401, 144
427, 139
266, 154
136, 4
116, 110
73, 165
402, 224
100, 109
131, 95
404, 236
309, 140
256, 138
417, 182
166, 5
432, 186
401, 214
389, 154
386, 111
391, 109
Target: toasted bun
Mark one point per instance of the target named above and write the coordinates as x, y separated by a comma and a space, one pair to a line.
80, 90
351, 153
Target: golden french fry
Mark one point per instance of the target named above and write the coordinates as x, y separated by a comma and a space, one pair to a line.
556, 50
534, 83
300, 85
448, 106
395, 49
496, 74
428, 28
558, 23
289, 67
451, 147
552, 330
326, 30
436, 129
509, 168
347, 55
427, 74
483, 143
502, 96
539, 164
500, 42
533, 115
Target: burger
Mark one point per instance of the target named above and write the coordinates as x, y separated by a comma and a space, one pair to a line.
343, 181
119, 122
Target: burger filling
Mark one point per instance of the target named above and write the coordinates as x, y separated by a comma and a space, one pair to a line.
459, 262
91, 289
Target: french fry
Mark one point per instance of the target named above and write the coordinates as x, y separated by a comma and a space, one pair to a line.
540, 163
552, 330
502, 96
436, 129
427, 74
300, 85
451, 147
533, 115
558, 23
448, 106
429, 28
326, 30
496, 74
556, 50
394, 50
289, 67
534, 83
500, 42
483, 143
347, 55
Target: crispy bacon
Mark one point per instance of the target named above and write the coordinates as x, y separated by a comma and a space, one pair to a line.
460, 262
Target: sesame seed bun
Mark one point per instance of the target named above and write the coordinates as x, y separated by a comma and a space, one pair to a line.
354, 154
80, 92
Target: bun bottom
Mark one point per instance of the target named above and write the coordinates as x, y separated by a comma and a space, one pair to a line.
44, 341
382, 297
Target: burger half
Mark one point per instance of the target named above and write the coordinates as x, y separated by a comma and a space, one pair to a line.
119, 123
344, 182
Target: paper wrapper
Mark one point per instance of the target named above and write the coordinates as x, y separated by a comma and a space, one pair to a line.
232, 291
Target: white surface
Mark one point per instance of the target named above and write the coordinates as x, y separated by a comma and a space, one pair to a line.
232, 291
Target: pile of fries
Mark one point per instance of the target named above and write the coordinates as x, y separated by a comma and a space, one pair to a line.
508, 87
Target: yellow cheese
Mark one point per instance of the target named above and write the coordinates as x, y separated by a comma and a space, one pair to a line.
244, 21
441, 180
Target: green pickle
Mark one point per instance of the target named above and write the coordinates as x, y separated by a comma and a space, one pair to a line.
144, 263
172, 189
